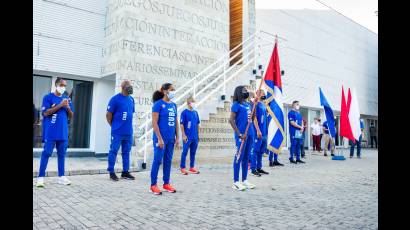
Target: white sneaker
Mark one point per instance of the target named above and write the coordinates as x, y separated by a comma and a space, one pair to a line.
40, 182
248, 185
64, 180
238, 186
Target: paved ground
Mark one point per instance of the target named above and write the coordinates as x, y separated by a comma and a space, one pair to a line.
322, 194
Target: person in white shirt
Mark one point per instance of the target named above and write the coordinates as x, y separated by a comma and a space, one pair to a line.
316, 131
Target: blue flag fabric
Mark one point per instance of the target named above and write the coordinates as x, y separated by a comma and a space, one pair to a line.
328, 113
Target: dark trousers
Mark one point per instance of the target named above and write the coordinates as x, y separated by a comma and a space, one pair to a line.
316, 142
371, 141
302, 148
358, 144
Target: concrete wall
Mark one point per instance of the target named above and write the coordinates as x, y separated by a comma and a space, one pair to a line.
155, 41
100, 130
68, 36
326, 49
151, 42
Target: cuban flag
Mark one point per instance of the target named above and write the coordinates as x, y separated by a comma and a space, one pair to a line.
273, 86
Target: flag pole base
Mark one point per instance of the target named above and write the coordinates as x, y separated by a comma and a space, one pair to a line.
340, 156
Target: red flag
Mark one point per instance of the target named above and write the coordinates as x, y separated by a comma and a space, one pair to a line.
273, 71
345, 128
349, 101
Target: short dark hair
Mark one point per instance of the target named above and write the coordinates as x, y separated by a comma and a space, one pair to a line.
58, 80
237, 95
294, 102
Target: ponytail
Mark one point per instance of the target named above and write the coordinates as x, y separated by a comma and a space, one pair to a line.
159, 94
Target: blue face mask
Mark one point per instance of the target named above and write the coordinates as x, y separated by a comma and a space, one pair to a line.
171, 94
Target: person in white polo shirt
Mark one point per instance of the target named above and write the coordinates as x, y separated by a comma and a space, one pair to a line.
315, 127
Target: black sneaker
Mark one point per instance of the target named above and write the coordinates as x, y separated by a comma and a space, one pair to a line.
332, 154
271, 164
325, 155
127, 175
292, 161
113, 177
300, 161
351, 156
277, 163
255, 173
261, 171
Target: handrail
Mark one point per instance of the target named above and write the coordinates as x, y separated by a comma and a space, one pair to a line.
248, 47
142, 126
214, 81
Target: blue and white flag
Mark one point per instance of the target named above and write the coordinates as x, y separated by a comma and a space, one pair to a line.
330, 118
273, 85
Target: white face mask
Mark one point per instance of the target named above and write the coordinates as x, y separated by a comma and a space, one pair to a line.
60, 89
171, 94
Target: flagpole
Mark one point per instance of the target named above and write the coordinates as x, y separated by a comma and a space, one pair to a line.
238, 154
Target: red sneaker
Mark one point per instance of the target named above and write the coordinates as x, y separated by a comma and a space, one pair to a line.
169, 188
184, 172
193, 171
154, 189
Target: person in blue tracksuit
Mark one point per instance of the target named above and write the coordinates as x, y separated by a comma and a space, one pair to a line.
120, 110
250, 100
302, 147
240, 115
165, 124
261, 127
56, 109
189, 128
358, 143
273, 159
295, 133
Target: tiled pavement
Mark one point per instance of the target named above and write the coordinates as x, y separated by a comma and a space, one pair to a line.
322, 194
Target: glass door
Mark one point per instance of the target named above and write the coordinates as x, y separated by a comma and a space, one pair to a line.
304, 112
312, 115
80, 93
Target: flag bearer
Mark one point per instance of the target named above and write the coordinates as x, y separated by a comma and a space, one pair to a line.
189, 128
165, 136
357, 143
240, 115
260, 145
56, 110
273, 159
119, 116
328, 140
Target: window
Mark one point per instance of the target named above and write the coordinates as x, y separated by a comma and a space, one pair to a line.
80, 93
